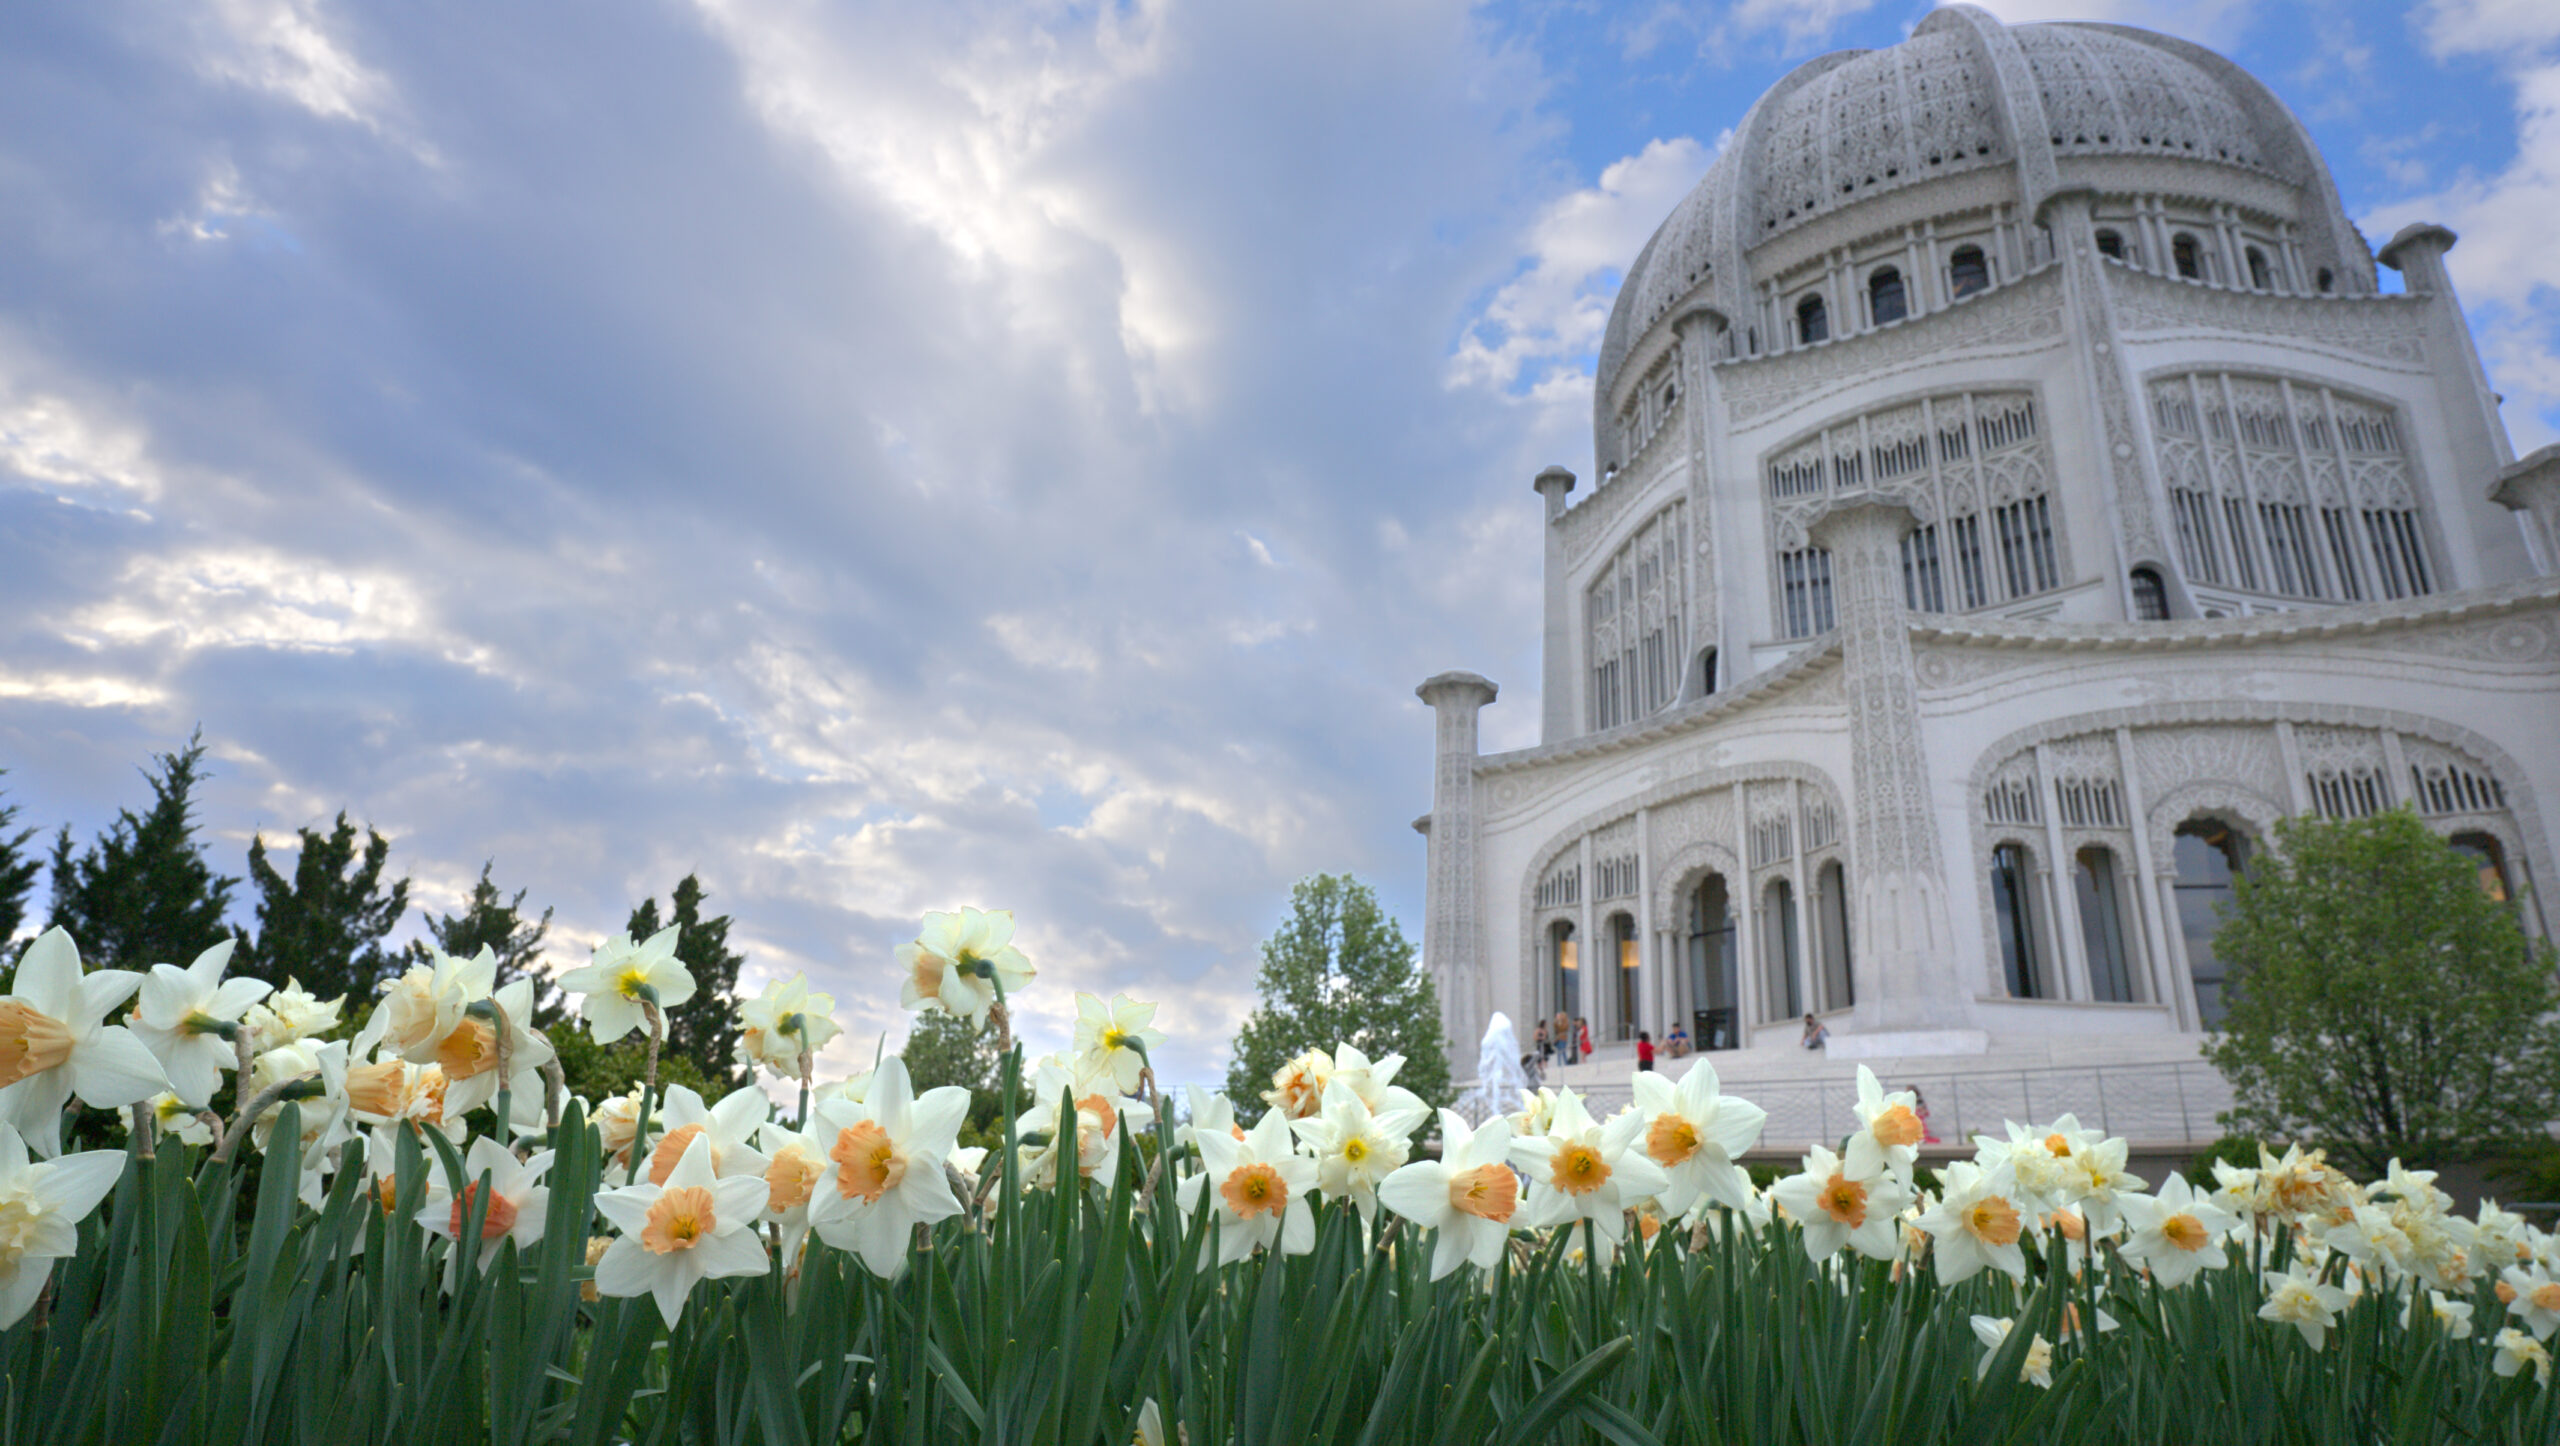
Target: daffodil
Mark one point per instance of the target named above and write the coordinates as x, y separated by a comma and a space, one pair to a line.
1115, 1039
958, 960
188, 1017
2297, 1298
1261, 1184
54, 1043
41, 1207
1467, 1196
1584, 1170
622, 976
729, 1127
468, 1055
1993, 1332
1097, 1118
517, 1201
2533, 1297
291, 1013
2515, 1351
1374, 1082
392, 1090
694, 1227
1835, 1205
2176, 1233
1211, 1112
324, 1117
783, 1028
1297, 1087
1975, 1223
2452, 1316
1693, 1132
426, 1004
886, 1176
175, 1117
795, 1165
1889, 1129
1354, 1148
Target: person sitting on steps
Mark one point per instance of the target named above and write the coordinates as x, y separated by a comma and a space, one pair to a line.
1816, 1034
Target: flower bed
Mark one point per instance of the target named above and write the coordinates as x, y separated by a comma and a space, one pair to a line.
665, 1268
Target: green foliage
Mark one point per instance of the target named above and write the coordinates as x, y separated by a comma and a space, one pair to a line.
2236, 1150
945, 1049
2530, 1173
598, 1072
492, 920
325, 925
17, 872
706, 1034
2382, 1004
1339, 970
142, 894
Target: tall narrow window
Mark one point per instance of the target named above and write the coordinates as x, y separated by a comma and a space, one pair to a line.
1831, 916
2111, 245
1884, 296
2026, 546
2209, 855
2013, 913
1804, 585
1622, 931
2184, 256
2258, 269
1715, 981
2093, 881
2327, 280
1972, 582
1566, 967
1784, 951
1924, 585
1702, 674
2150, 597
1813, 321
1968, 271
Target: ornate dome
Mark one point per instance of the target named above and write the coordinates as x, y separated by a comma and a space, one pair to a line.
1963, 94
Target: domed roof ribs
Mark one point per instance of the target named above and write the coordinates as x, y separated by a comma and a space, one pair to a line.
2021, 107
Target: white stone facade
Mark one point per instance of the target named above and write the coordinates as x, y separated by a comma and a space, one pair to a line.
2016, 495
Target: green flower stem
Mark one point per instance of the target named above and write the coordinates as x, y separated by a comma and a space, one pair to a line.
648, 1086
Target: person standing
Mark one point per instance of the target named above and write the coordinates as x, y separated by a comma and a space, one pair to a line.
1564, 1039
1545, 1045
1644, 1050
1582, 1037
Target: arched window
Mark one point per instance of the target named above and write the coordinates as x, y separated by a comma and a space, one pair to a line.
2209, 855
2111, 244
2184, 256
2013, 914
1715, 976
2326, 280
1831, 921
2258, 269
1561, 952
1622, 932
1968, 271
2150, 596
1783, 950
1813, 321
2485, 850
1754, 333
1884, 296
2093, 881
1702, 674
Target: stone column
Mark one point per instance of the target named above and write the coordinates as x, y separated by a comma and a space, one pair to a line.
1908, 940
2481, 451
1556, 676
1452, 909
2531, 490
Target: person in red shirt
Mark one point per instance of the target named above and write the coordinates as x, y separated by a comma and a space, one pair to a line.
1582, 1038
1644, 1050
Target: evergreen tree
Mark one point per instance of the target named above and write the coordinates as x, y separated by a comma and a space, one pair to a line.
143, 894
945, 1049
2383, 1004
17, 876
597, 1072
325, 925
1339, 971
706, 1030
491, 920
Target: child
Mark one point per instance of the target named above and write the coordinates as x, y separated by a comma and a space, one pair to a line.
1644, 1050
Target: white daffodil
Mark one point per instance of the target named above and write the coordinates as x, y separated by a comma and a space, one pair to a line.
2452, 1316
730, 1126
1211, 1112
1467, 1196
2176, 1233
783, 1028
1836, 1206
1262, 1184
2096, 1183
1150, 1427
1889, 1129
1993, 1332
41, 1207
187, 1018
851, 1089
617, 1119
1693, 1132
1537, 1111
175, 1117
291, 1013
887, 1177
468, 1055
518, 1201
1584, 1170
2297, 1298
957, 960
54, 1043
325, 1122
1375, 1082
425, 1004
1098, 1119
795, 1165
1354, 1148
1115, 1039
1297, 1087
2515, 1351
1975, 1223
621, 976
2533, 1297
694, 1227
394, 1090
2032, 1167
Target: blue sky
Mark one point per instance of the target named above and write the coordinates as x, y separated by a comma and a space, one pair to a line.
890, 457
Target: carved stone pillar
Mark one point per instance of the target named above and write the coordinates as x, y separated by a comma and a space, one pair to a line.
1908, 980
1556, 676
1452, 909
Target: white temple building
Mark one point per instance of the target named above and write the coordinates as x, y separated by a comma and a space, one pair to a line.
2016, 493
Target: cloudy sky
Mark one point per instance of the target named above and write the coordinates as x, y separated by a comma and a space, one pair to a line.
885, 457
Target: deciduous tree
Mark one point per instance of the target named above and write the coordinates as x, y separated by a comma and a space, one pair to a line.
1339, 971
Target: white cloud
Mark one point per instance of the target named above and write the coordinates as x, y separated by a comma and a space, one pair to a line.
285, 47
2488, 27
